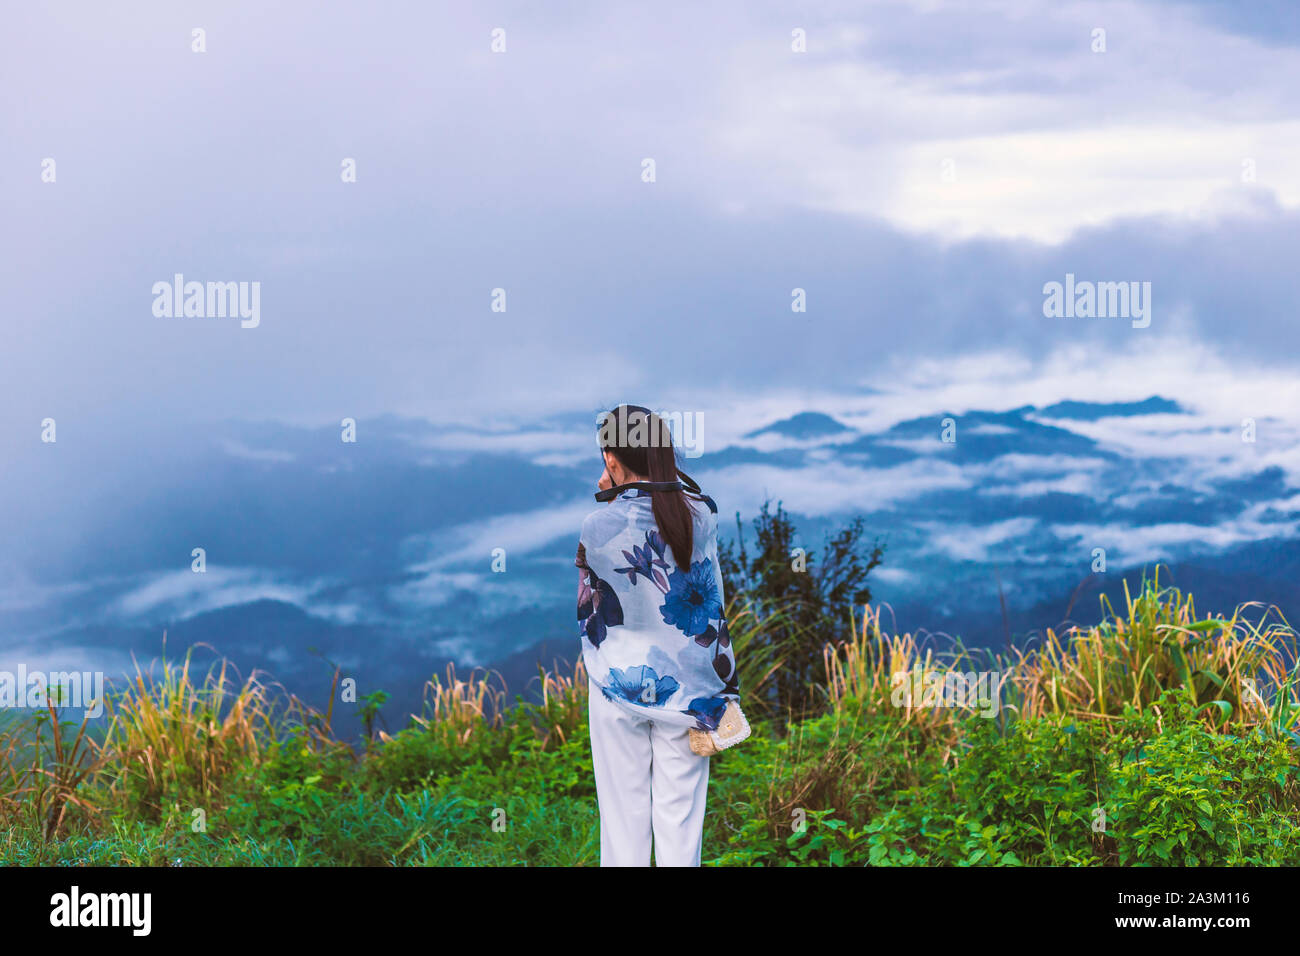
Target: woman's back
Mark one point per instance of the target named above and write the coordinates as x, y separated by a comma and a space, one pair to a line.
654, 635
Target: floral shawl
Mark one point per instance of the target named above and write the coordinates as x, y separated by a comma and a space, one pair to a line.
654, 639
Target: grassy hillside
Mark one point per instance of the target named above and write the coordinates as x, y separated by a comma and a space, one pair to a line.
1157, 737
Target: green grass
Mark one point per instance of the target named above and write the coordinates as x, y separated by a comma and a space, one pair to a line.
1131, 743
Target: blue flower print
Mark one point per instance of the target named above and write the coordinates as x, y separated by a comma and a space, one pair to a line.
707, 711
724, 665
647, 561
598, 606
692, 599
712, 634
724, 659
640, 685
673, 645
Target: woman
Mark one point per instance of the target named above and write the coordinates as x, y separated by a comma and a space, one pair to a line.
654, 641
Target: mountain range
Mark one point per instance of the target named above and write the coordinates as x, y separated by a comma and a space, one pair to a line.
377, 556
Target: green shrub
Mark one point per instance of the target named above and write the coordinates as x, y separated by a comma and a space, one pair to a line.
1187, 796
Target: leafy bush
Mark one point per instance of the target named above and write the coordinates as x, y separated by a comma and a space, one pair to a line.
804, 601
1141, 749
1186, 796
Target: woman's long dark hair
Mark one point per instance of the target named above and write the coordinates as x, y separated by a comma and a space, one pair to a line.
643, 444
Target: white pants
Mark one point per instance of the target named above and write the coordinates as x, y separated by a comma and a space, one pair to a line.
647, 780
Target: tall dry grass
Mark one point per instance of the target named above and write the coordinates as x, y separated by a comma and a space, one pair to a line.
563, 705
168, 731
457, 708
1158, 643
173, 733
1241, 671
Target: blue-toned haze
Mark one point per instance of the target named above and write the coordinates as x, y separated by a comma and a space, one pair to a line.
921, 172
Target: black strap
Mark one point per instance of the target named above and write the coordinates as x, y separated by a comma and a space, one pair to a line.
609, 494
684, 483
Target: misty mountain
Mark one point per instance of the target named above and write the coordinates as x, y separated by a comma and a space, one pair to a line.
381, 556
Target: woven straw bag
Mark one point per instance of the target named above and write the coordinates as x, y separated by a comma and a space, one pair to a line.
732, 729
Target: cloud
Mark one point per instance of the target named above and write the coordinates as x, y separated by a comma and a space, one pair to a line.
20, 592
178, 595
1140, 544
830, 488
825, 171
776, 170
239, 450
544, 446
973, 542
1072, 484
974, 124
449, 556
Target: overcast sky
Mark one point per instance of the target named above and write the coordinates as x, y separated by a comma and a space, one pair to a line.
921, 171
